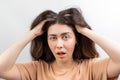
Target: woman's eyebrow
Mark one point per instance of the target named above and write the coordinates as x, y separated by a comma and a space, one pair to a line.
64, 33
52, 35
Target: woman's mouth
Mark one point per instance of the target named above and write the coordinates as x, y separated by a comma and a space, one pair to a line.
61, 54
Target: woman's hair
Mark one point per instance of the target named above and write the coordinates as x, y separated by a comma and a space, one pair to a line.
84, 49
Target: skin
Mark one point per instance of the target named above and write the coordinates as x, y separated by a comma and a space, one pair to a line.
61, 38
9, 56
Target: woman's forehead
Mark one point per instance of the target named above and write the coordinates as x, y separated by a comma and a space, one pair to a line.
59, 28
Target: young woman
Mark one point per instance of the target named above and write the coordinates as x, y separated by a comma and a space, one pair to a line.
63, 48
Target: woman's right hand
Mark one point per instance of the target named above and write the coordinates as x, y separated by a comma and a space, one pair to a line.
37, 30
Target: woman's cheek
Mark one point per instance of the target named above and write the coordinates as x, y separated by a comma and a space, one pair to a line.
71, 44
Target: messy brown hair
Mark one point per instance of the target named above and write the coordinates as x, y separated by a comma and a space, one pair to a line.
84, 49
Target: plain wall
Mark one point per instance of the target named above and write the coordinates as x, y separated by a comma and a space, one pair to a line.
16, 17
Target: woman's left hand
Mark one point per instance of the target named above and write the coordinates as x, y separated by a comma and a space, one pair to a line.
80, 29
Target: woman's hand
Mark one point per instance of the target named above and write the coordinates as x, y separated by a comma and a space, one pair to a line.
37, 30
80, 29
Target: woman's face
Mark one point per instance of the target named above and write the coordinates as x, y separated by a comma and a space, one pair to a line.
61, 40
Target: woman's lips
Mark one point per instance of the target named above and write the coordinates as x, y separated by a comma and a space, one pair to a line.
61, 54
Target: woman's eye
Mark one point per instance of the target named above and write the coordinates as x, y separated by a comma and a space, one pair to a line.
65, 37
52, 38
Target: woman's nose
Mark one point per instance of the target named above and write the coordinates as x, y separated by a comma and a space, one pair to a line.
59, 43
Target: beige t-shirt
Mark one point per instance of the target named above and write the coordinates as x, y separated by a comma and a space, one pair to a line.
92, 69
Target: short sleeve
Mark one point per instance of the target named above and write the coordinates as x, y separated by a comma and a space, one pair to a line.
27, 70
99, 69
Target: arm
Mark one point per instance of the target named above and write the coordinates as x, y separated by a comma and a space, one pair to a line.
111, 47
9, 56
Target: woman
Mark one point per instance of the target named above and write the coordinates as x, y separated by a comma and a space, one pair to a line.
63, 48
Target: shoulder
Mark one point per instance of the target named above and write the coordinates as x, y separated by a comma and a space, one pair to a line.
95, 62
99, 61
32, 64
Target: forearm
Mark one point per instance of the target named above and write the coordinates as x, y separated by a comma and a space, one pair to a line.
111, 47
9, 56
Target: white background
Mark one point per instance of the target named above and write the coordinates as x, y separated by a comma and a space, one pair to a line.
16, 17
